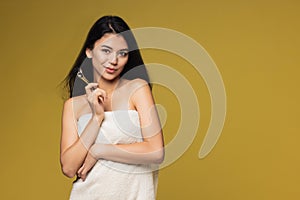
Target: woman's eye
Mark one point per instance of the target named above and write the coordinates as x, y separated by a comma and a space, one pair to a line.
123, 53
106, 51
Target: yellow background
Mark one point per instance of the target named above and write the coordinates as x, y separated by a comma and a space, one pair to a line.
255, 45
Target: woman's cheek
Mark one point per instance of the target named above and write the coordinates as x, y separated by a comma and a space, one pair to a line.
124, 61
102, 59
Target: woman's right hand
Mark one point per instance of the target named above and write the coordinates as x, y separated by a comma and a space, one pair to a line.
96, 98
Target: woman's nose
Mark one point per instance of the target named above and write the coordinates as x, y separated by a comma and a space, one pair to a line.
113, 59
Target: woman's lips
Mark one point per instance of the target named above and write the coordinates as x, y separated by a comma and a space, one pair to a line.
110, 70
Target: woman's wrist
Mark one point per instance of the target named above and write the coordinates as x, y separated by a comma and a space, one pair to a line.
95, 151
97, 119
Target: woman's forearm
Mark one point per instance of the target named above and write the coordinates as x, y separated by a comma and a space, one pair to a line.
135, 153
73, 157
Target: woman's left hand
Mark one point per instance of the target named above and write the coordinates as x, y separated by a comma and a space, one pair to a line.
88, 164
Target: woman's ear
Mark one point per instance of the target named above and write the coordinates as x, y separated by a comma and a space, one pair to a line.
88, 53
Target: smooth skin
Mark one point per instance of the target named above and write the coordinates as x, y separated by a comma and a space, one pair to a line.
80, 154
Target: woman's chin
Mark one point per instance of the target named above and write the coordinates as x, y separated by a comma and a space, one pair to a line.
109, 77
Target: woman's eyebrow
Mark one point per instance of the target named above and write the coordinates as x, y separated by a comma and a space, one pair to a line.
125, 49
106, 46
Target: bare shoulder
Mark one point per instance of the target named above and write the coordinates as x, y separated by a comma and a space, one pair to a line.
75, 104
137, 83
77, 99
139, 90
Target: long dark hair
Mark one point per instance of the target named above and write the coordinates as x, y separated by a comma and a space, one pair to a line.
134, 68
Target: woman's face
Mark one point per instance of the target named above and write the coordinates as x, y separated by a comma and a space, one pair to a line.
109, 56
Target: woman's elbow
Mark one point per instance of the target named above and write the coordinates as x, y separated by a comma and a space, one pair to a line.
159, 157
67, 170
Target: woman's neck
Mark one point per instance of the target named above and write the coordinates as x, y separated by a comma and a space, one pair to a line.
108, 85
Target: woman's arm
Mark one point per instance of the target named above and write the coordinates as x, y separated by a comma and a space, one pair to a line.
74, 149
151, 150
136, 153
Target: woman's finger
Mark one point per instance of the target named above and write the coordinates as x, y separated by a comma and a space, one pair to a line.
100, 94
84, 174
83, 177
90, 87
80, 170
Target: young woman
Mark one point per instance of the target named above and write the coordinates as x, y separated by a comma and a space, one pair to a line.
111, 134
